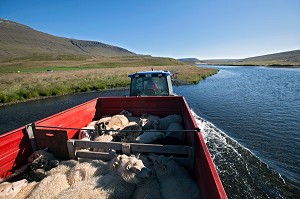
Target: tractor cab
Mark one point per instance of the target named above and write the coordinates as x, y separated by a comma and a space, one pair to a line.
151, 83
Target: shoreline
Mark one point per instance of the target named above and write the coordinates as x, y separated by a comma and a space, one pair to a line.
254, 65
175, 83
53, 96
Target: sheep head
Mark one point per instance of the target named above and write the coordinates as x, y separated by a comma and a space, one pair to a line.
130, 169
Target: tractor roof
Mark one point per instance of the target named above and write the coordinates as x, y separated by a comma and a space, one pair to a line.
150, 73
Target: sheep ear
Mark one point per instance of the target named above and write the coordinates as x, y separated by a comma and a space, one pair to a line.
128, 167
137, 155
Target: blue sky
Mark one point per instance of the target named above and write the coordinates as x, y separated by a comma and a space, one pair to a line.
205, 29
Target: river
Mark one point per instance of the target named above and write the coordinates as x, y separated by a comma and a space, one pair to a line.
249, 117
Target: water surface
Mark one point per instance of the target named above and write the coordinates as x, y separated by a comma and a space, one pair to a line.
252, 127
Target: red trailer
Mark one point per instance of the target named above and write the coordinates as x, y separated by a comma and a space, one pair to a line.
59, 131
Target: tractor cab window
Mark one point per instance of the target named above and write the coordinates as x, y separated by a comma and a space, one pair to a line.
149, 86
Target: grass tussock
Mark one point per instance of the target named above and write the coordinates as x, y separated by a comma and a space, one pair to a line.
34, 81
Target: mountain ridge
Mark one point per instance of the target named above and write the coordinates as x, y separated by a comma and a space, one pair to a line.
19, 40
287, 58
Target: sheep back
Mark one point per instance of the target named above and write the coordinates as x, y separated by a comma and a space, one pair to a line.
50, 187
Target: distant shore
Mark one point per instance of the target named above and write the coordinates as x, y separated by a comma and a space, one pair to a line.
175, 82
271, 66
36, 81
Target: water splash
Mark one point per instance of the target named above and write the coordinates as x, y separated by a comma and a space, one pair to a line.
242, 173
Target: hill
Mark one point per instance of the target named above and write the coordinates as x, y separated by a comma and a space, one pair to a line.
189, 60
282, 59
18, 40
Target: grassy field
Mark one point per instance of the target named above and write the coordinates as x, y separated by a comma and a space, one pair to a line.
26, 79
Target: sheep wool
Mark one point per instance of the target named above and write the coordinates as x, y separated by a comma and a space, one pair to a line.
86, 170
50, 187
26, 191
174, 180
10, 189
165, 122
150, 137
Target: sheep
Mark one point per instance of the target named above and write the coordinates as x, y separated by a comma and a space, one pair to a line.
129, 116
117, 121
100, 125
104, 119
149, 117
164, 123
26, 191
150, 137
174, 135
86, 170
43, 163
84, 190
39, 153
125, 113
63, 167
174, 180
39, 163
124, 172
50, 187
130, 133
150, 188
88, 132
147, 120
10, 189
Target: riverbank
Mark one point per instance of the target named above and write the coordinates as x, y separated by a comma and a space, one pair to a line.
264, 65
36, 84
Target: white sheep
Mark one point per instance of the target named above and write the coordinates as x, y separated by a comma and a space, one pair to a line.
26, 191
52, 177
117, 121
150, 188
104, 119
124, 172
10, 189
151, 136
63, 167
164, 123
50, 187
175, 181
175, 134
84, 190
86, 170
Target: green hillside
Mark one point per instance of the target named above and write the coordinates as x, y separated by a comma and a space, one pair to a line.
18, 41
283, 59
